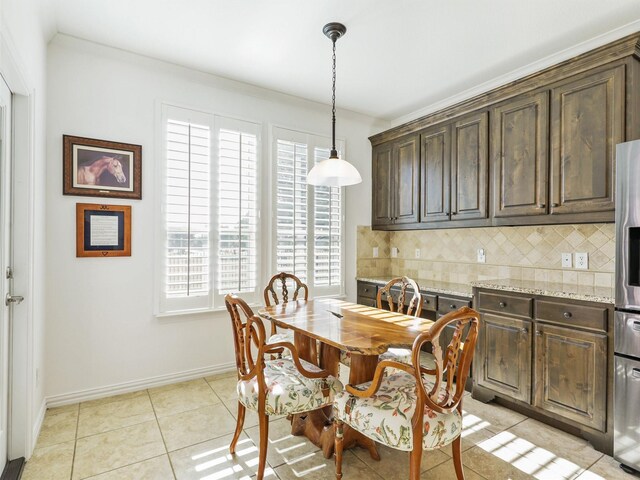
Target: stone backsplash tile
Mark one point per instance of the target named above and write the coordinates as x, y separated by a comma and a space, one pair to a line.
522, 253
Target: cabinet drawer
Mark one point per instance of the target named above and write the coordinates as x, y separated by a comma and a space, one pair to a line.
367, 290
567, 314
429, 302
367, 302
449, 304
506, 304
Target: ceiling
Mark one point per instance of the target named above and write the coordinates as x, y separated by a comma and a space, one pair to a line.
397, 57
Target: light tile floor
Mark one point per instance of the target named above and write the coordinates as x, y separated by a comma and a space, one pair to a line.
182, 432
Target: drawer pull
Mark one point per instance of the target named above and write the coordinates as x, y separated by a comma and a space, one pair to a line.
538, 333
452, 306
635, 372
502, 304
524, 330
540, 205
636, 325
567, 315
555, 204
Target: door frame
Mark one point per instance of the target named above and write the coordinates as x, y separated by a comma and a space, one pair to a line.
24, 423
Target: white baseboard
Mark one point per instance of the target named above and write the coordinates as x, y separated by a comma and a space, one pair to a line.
126, 387
37, 426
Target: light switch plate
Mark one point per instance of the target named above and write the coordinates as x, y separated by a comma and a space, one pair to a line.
567, 260
394, 252
375, 252
417, 253
582, 260
482, 258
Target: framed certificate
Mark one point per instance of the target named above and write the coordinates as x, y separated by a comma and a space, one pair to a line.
103, 230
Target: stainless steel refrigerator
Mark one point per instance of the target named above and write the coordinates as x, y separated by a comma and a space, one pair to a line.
626, 444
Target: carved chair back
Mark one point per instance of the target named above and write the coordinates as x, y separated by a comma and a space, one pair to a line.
415, 305
451, 365
282, 279
248, 334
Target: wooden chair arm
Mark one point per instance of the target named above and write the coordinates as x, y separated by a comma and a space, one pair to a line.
277, 347
377, 378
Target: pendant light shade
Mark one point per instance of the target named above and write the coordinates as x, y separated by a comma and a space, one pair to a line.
334, 172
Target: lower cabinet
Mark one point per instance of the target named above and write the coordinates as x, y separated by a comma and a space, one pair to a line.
551, 356
504, 356
571, 374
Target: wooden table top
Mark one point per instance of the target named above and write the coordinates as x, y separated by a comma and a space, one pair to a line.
348, 326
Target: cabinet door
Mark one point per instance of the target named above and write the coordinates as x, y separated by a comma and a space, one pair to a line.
435, 168
382, 181
571, 374
587, 122
406, 187
469, 168
519, 153
504, 356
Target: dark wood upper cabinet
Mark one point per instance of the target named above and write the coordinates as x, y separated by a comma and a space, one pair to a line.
406, 158
435, 168
382, 185
588, 120
396, 182
469, 168
519, 155
571, 374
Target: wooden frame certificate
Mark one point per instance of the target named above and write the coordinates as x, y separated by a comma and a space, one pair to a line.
103, 230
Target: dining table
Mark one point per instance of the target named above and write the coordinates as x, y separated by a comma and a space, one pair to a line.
323, 328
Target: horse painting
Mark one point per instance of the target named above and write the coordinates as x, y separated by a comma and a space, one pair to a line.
90, 174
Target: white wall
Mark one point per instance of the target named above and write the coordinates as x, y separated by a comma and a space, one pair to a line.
101, 331
25, 27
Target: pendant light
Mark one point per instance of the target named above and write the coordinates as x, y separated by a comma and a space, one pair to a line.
334, 172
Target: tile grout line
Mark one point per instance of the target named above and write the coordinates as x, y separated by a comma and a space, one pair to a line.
155, 414
75, 444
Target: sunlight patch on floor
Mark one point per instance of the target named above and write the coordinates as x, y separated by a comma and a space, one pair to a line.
530, 458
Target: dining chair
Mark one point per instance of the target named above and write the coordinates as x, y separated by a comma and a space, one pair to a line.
415, 408
280, 386
271, 294
414, 308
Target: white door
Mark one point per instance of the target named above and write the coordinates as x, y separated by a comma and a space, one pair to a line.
5, 262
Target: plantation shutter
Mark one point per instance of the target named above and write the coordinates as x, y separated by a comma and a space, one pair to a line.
187, 209
237, 206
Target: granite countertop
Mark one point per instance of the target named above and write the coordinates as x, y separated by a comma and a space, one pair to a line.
435, 286
549, 289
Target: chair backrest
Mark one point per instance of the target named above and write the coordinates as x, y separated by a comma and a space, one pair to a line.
415, 305
452, 364
282, 278
248, 333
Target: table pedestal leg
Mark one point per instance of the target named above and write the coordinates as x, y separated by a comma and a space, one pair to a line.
317, 425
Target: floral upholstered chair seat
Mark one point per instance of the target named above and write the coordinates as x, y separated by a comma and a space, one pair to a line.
282, 336
402, 355
288, 391
386, 416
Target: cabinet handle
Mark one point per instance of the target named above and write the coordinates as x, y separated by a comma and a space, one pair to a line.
538, 333
452, 306
524, 330
567, 315
454, 213
635, 372
502, 304
555, 204
541, 205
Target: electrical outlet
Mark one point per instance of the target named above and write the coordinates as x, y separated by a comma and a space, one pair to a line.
417, 253
582, 261
482, 258
394, 252
375, 252
566, 260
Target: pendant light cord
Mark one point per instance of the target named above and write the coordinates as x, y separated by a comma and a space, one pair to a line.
334, 153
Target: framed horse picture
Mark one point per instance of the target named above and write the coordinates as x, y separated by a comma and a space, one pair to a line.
100, 168
103, 230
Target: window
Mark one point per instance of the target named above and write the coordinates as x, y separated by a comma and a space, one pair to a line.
308, 220
210, 211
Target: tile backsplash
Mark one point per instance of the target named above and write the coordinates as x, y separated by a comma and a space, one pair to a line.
522, 253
